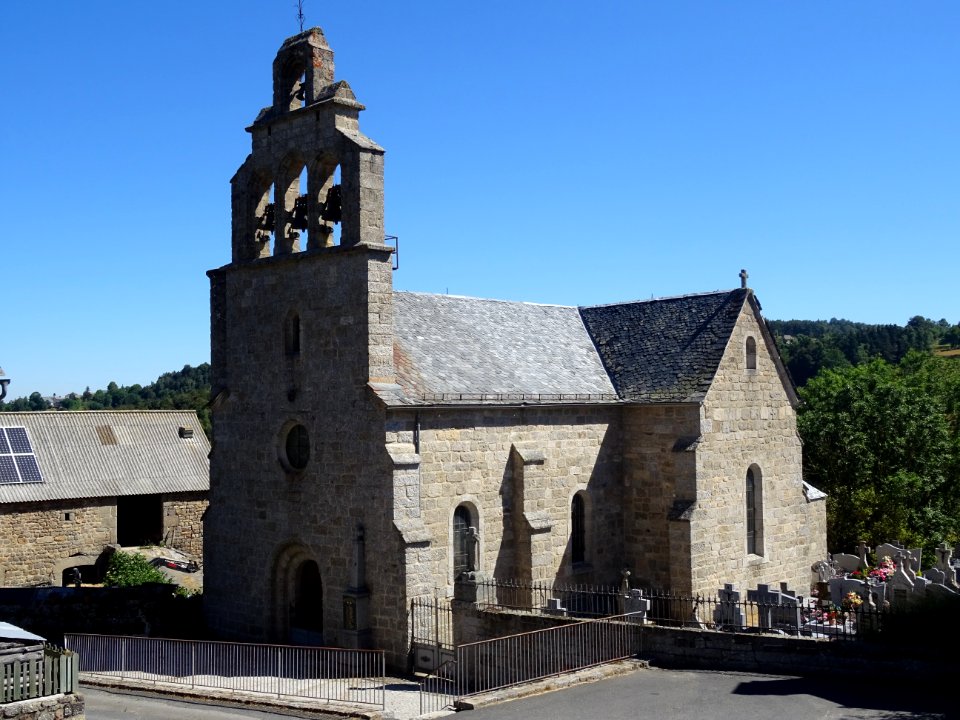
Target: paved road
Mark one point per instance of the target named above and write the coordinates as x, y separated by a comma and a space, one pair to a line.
703, 695
644, 694
111, 705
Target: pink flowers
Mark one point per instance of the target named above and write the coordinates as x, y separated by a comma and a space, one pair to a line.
884, 570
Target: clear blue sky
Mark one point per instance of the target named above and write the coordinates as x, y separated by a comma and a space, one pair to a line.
557, 152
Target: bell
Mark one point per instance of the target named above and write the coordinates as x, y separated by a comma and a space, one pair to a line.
266, 220
331, 208
299, 219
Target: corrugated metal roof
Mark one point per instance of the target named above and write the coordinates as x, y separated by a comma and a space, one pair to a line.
12, 632
88, 454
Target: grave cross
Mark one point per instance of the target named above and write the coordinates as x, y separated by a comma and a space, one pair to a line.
944, 554
863, 551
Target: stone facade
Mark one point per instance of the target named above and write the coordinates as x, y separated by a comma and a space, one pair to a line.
748, 421
183, 522
370, 446
38, 541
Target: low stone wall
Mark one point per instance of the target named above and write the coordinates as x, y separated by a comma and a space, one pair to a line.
146, 610
712, 650
55, 707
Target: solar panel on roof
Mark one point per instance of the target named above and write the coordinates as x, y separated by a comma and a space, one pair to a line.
18, 462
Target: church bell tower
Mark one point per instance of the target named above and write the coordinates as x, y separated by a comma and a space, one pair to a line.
288, 186
301, 327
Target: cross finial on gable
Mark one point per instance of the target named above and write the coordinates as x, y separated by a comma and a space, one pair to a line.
743, 278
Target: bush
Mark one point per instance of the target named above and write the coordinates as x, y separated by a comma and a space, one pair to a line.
130, 569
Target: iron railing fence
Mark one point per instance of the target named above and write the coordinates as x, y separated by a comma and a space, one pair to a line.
802, 617
52, 672
577, 600
438, 690
498, 663
432, 622
331, 674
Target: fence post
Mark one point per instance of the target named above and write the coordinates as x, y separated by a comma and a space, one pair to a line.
279, 668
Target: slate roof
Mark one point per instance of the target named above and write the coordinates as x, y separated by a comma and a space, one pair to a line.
449, 348
89, 454
665, 350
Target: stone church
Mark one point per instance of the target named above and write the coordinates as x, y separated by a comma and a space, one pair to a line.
370, 445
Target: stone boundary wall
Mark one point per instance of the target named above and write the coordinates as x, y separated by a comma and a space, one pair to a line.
712, 650
144, 610
55, 707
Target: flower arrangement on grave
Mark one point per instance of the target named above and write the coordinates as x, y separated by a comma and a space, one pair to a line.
881, 573
852, 601
884, 571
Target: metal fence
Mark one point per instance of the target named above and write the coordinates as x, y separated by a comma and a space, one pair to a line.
578, 600
502, 662
350, 676
51, 672
431, 632
800, 617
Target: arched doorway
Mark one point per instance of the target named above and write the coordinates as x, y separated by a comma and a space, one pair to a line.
298, 597
306, 613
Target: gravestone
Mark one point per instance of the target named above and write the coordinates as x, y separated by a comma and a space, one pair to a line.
729, 612
823, 570
847, 562
776, 609
636, 606
945, 567
890, 550
555, 607
839, 587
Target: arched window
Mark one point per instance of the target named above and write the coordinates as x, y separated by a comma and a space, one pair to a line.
754, 507
578, 530
463, 560
751, 350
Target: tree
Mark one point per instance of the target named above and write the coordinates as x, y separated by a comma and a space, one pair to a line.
882, 441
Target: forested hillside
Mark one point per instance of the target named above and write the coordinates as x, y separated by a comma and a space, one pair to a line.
807, 346
187, 389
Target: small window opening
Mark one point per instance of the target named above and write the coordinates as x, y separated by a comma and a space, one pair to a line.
291, 335
463, 560
754, 511
751, 353
68, 516
578, 534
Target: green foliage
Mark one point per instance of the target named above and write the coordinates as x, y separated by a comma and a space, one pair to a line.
882, 440
129, 569
808, 346
187, 389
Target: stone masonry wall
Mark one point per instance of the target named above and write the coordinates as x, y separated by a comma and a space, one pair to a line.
183, 522
659, 469
36, 538
266, 519
748, 421
55, 707
517, 470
